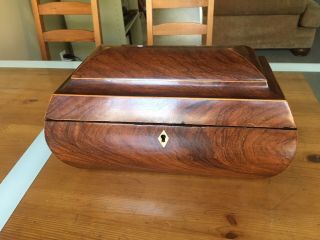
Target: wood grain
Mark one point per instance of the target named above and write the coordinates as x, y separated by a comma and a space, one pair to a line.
173, 71
177, 111
24, 96
216, 151
162, 62
180, 71
70, 203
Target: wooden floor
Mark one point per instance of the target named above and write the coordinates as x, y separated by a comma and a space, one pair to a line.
70, 203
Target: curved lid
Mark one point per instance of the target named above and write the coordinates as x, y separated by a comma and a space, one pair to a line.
200, 63
195, 86
172, 71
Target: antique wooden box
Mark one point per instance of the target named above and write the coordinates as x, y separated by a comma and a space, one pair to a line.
194, 110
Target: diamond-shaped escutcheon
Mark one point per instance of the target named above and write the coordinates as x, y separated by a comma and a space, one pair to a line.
163, 138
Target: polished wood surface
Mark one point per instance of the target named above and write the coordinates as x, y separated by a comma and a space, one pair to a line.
179, 28
175, 111
192, 63
224, 151
193, 123
65, 35
175, 71
70, 203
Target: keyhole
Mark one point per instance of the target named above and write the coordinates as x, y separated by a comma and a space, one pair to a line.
163, 138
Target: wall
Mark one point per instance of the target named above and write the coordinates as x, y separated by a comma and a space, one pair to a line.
18, 40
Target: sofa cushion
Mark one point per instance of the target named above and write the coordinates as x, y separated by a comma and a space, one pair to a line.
259, 7
255, 31
311, 17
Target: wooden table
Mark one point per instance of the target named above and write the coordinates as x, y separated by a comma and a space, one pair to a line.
70, 203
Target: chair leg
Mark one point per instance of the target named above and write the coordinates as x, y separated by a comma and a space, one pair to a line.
300, 51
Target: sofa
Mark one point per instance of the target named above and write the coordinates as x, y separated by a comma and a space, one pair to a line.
283, 24
260, 24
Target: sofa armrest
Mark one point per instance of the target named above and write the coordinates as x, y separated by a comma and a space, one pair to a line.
311, 17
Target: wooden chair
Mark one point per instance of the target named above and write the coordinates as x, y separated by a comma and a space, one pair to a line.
65, 35
179, 28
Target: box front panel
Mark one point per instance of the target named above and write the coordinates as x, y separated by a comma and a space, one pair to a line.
220, 151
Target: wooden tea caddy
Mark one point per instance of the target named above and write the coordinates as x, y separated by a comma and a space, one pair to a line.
195, 110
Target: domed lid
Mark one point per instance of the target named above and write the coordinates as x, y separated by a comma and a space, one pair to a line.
173, 72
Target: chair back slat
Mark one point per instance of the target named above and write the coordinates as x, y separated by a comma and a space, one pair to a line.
70, 35
179, 28
156, 4
65, 8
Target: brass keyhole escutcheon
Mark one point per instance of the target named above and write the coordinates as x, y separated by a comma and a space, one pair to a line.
163, 138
